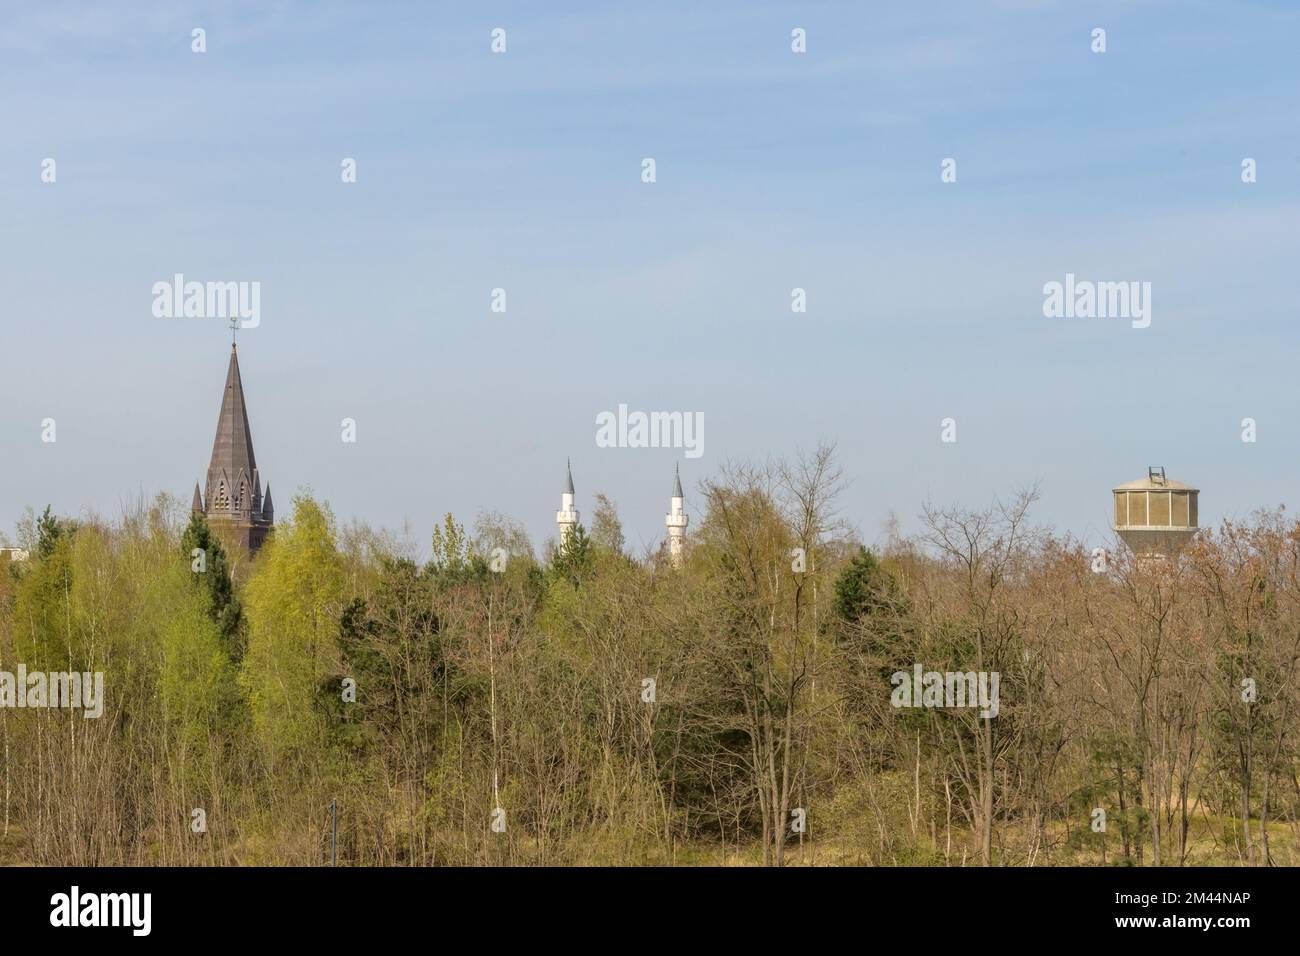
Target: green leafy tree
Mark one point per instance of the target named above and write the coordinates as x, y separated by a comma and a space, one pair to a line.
450, 546
214, 578
606, 529
293, 602
196, 680
43, 597
49, 530
573, 558
864, 587
454, 559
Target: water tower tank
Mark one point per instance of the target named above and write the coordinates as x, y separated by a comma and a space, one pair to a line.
1155, 516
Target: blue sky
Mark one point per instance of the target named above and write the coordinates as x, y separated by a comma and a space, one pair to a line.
774, 171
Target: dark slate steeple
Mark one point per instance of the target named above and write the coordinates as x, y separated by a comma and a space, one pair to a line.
234, 487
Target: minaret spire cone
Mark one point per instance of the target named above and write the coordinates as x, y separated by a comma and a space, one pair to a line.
676, 521
566, 519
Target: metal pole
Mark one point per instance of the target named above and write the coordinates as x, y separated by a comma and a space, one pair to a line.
334, 832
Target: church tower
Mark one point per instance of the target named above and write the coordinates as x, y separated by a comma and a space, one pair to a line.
233, 502
676, 521
566, 519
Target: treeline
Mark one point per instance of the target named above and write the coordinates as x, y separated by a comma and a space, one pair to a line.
591, 707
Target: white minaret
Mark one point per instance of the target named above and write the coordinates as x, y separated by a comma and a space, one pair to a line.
566, 519
676, 521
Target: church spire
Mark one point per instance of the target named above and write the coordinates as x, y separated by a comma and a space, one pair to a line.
233, 447
234, 485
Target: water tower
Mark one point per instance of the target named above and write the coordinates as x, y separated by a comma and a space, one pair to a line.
1155, 516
